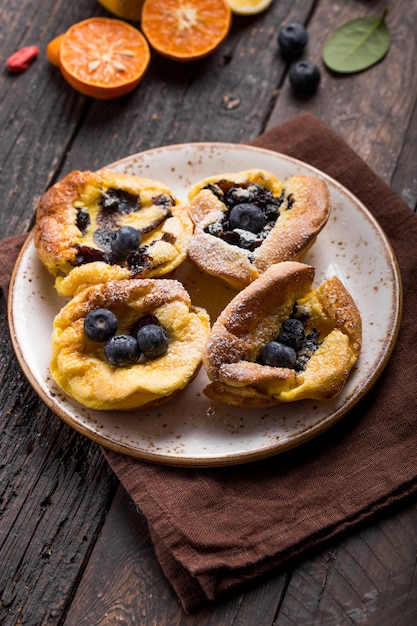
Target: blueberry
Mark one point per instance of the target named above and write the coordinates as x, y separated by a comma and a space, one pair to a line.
304, 77
121, 350
125, 240
247, 217
152, 341
277, 354
100, 324
292, 39
145, 321
292, 333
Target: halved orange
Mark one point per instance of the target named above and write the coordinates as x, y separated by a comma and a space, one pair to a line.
101, 57
53, 48
186, 30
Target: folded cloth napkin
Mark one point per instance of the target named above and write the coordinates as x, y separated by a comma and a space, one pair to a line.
214, 529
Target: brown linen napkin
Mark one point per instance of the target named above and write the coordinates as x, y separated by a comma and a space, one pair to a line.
214, 529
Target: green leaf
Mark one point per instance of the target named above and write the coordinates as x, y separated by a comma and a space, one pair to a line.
357, 45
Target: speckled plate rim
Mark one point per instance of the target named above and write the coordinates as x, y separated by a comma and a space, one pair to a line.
310, 430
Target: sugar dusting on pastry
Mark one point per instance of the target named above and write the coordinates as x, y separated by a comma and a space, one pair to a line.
79, 367
255, 316
290, 216
77, 218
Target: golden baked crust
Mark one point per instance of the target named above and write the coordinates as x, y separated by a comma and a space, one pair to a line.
255, 316
303, 206
76, 216
79, 366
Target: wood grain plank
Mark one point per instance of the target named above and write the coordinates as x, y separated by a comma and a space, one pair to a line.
123, 583
404, 179
367, 579
55, 486
37, 119
217, 99
370, 110
55, 489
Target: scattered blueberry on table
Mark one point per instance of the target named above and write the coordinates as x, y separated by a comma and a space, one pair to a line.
292, 39
305, 77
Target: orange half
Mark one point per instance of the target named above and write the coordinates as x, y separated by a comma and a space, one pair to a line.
186, 30
102, 57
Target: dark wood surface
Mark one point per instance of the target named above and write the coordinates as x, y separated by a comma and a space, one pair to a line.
73, 548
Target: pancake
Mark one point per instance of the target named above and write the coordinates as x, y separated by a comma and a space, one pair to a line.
247, 221
315, 361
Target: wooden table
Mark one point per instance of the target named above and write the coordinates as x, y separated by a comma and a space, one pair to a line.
73, 548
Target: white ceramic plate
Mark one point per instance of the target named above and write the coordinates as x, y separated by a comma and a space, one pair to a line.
191, 429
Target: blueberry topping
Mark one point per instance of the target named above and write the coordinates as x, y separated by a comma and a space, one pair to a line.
121, 350
82, 220
164, 200
152, 340
232, 237
292, 333
86, 254
277, 354
100, 324
304, 77
292, 39
239, 195
251, 213
271, 213
169, 238
247, 217
309, 346
292, 348
143, 321
290, 201
124, 240
215, 190
120, 201
103, 238
215, 229
138, 261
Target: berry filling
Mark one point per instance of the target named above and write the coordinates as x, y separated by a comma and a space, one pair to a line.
82, 221
119, 201
292, 348
251, 213
116, 246
146, 340
113, 243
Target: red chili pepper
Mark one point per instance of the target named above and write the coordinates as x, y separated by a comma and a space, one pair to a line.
21, 59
